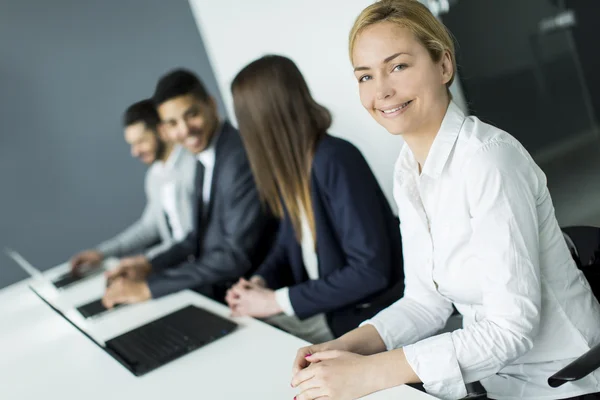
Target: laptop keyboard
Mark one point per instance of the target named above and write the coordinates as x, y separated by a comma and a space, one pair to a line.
165, 339
157, 342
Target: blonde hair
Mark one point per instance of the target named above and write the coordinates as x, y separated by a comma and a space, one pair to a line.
410, 14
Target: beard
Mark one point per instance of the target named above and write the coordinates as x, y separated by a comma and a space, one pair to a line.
161, 147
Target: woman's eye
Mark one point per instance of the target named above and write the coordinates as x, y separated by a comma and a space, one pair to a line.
365, 78
399, 67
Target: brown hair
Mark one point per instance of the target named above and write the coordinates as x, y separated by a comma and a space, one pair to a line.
280, 124
414, 16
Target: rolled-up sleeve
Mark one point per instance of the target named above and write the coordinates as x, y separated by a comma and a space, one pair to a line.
420, 312
500, 186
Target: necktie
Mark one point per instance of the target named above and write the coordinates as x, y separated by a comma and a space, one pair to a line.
168, 222
199, 192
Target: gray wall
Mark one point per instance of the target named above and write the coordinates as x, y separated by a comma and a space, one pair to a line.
500, 30
68, 69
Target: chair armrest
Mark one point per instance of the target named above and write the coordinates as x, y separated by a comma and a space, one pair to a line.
584, 365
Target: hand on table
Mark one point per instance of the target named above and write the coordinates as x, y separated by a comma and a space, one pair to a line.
86, 257
336, 374
252, 298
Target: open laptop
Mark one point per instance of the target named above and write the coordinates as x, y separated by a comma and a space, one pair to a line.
161, 341
95, 309
61, 282
92, 309
68, 278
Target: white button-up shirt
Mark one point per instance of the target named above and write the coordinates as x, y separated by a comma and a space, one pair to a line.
311, 264
168, 193
208, 158
479, 231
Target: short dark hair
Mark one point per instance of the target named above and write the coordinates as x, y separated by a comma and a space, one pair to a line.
142, 111
179, 82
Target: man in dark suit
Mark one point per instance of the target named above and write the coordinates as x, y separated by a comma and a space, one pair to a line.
231, 231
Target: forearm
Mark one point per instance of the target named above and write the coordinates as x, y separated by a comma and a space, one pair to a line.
341, 288
141, 234
390, 368
159, 248
174, 255
364, 340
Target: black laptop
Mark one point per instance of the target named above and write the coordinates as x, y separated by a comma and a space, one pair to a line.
69, 278
95, 308
165, 339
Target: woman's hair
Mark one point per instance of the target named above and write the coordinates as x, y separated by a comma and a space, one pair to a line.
414, 16
280, 124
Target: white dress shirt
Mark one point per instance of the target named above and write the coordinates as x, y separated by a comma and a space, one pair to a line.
208, 158
151, 233
479, 231
314, 329
311, 264
168, 193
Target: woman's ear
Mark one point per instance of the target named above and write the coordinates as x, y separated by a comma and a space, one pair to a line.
447, 67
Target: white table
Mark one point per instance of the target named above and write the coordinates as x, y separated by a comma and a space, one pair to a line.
44, 357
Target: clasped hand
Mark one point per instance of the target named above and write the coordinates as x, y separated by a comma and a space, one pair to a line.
252, 298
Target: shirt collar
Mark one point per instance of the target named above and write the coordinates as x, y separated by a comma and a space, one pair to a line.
208, 155
165, 167
440, 149
173, 157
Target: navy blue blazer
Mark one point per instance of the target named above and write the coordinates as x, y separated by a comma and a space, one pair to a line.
357, 243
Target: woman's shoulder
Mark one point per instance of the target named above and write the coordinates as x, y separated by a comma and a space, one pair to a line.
489, 155
338, 161
333, 150
482, 141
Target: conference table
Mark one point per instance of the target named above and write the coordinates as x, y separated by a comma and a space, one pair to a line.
42, 356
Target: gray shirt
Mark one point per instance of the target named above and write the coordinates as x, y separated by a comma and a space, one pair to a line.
151, 234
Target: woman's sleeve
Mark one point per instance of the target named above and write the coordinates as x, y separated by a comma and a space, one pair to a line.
501, 186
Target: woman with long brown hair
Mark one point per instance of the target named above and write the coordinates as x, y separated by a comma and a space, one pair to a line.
338, 250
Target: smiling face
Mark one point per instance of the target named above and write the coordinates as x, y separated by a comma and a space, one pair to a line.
400, 85
189, 121
144, 143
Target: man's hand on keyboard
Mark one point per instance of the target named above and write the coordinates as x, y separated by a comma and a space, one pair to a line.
133, 268
123, 290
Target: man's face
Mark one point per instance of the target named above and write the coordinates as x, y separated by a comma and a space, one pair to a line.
189, 121
144, 142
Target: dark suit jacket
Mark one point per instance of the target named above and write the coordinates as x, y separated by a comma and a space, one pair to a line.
357, 242
233, 235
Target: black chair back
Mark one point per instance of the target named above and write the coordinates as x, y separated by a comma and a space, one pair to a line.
586, 240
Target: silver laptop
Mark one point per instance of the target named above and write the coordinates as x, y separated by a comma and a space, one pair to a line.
50, 289
61, 282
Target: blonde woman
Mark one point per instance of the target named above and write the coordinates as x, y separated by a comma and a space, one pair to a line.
478, 231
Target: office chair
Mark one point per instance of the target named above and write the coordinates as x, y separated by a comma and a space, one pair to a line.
584, 244
586, 240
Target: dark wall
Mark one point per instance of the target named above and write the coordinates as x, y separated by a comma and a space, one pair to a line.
519, 77
68, 69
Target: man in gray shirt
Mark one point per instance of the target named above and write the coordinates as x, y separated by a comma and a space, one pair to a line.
169, 187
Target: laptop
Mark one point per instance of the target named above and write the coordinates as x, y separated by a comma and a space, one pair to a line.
161, 341
68, 278
95, 308
61, 282
92, 309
